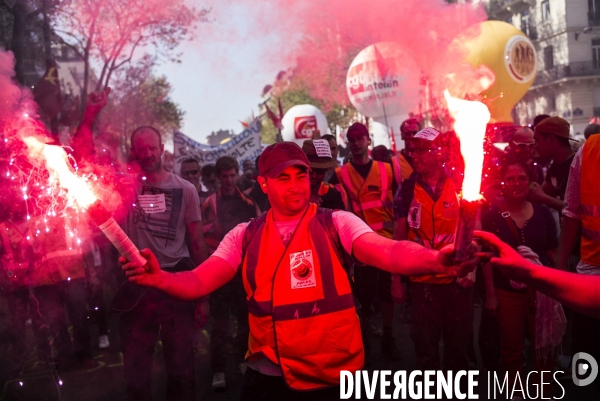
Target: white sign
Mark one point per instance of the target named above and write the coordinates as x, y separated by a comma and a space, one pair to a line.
414, 216
428, 134
245, 145
302, 269
322, 148
152, 203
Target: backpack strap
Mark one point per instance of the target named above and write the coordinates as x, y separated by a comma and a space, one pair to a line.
512, 226
325, 217
251, 230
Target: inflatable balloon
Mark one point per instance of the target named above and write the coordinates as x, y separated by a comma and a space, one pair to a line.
300, 121
383, 83
507, 52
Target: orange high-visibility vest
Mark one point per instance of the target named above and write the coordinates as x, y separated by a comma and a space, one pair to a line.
590, 201
301, 309
402, 168
432, 224
370, 199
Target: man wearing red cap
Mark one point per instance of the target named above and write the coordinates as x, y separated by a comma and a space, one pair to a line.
370, 186
303, 324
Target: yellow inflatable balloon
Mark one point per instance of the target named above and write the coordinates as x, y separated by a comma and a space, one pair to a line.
509, 53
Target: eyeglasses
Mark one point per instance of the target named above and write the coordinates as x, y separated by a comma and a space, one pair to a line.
190, 172
513, 180
319, 171
524, 145
420, 151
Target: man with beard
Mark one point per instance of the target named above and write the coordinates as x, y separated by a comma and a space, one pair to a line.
166, 219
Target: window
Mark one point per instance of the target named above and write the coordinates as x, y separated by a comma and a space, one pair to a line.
552, 103
596, 52
545, 10
526, 23
548, 57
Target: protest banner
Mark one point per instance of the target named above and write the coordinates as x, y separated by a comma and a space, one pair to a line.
243, 146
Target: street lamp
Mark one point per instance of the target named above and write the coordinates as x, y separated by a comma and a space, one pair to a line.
587, 29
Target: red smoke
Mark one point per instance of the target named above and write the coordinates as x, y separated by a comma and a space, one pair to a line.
320, 38
25, 176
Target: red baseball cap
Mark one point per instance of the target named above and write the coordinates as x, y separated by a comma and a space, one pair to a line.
279, 156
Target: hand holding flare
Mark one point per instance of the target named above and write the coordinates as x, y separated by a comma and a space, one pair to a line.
470, 120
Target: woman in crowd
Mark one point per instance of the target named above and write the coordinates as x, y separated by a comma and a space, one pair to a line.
529, 228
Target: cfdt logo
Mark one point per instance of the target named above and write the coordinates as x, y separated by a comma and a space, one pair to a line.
584, 369
304, 127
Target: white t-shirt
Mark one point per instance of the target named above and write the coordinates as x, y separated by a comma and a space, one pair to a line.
348, 226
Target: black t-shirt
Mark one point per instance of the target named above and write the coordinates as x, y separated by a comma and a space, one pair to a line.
538, 233
231, 211
558, 176
332, 200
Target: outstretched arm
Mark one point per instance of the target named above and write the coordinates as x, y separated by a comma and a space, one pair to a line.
408, 258
577, 291
204, 279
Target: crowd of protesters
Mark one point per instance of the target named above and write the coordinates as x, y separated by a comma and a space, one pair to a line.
536, 200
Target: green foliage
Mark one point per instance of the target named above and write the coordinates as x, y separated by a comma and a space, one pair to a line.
139, 98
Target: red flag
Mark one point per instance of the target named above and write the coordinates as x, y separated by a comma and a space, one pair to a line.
276, 120
244, 124
47, 92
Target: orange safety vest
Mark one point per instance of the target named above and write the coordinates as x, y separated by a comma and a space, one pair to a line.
590, 202
301, 309
370, 199
402, 168
432, 224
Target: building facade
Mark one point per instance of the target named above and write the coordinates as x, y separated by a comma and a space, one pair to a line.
566, 35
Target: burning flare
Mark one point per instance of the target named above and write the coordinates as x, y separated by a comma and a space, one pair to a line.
470, 120
61, 173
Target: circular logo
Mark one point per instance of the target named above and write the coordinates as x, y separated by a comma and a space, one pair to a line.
520, 59
302, 269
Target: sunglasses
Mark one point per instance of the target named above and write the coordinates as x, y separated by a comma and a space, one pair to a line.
190, 172
524, 145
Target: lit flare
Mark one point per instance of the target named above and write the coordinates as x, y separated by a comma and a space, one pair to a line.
61, 172
470, 120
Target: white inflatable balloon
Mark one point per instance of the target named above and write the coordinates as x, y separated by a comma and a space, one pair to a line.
300, 121
383, 83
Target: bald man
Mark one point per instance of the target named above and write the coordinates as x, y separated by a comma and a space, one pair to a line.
520, 148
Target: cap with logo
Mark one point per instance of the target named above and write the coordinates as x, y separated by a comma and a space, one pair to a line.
318, 153
279, 156
556, 126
